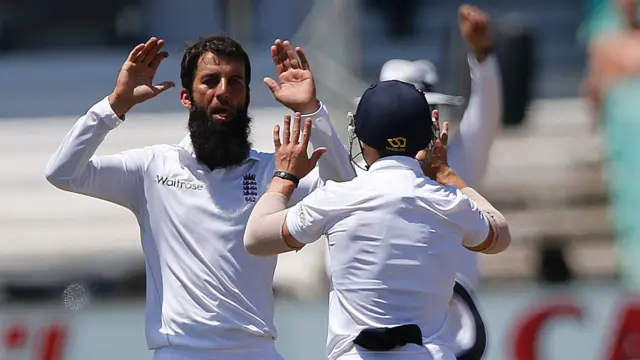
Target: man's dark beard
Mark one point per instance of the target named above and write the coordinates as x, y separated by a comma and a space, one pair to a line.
220, 145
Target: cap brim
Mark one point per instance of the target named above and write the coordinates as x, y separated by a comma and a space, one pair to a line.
436, 99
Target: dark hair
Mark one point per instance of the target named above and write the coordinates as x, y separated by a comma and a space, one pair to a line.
385, 153
222, 46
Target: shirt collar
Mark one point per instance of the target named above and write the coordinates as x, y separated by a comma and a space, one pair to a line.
397, 162
186, 144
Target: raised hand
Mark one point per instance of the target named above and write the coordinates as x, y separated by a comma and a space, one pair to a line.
134, 84
474, 28
291, 150
296, 89
434, 159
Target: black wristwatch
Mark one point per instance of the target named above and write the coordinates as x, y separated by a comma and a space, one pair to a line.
287, 176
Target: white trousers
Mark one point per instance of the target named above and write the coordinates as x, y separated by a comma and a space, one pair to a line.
177, 353
408, 352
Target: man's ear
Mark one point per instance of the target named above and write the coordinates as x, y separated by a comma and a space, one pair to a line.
185, 98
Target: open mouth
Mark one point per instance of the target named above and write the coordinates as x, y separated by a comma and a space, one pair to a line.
222, 115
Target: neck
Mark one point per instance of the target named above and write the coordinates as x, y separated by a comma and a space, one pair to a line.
370, 156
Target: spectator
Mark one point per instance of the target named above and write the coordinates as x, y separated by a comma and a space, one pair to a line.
613, 57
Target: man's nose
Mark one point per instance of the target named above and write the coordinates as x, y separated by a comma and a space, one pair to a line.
222, 91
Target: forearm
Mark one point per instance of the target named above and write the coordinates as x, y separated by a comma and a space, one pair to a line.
335, 164
469, 148
119, 107
263, 235
74, 153
499, 236
448, 177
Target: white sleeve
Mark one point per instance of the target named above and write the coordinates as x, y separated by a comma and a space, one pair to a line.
468, 150
473, 221
307, 220
115, 178
334, 165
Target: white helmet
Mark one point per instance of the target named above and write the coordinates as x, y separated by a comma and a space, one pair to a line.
420, 73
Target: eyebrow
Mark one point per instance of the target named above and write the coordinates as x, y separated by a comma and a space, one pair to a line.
209, 74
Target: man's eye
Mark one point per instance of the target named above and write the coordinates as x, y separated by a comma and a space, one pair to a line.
212, 81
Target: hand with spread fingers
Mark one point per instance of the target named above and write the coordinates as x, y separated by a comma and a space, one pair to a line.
296, 89
134, 84
291, 150
434, 160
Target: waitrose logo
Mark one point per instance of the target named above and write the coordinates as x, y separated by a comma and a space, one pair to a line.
165, 181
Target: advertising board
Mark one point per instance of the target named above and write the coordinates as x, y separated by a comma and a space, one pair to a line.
590, 322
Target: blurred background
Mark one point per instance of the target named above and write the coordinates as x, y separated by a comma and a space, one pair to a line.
562, 169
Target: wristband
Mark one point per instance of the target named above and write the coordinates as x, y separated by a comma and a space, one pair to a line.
287, 176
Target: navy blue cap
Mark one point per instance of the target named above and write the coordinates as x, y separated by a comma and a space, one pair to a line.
394, 117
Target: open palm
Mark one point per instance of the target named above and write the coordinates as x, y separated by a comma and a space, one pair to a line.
296, 89
135, 80
434, 159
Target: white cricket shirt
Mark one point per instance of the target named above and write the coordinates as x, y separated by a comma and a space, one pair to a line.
204, 291
469, 148
394, 236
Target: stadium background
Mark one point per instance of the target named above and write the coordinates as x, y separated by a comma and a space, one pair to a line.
71, 268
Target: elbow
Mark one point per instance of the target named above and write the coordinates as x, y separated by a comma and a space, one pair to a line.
263, 243
251, 249
257, 248
250, 245
263, 234
54, 178
502, 240
254, 244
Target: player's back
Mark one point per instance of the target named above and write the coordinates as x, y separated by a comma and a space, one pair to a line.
391, 251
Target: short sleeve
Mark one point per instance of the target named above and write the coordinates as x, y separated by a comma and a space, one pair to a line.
307, 220
473, 221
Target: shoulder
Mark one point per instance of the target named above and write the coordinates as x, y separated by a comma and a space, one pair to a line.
162, 148
606, 44
147, 153
157, 154
335, 195
263, 164
340, 188
446, 199
162, 151
262, 156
